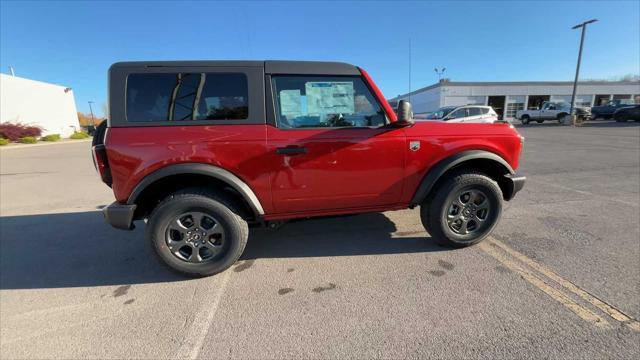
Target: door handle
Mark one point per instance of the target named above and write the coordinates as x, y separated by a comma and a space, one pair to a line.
291, 150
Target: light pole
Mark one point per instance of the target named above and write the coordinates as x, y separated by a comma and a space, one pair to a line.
575, 81
93, 123
439, 72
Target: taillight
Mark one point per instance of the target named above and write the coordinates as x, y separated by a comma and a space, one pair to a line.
102, 163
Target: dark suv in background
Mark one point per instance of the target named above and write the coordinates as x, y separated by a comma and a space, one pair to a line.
607, 111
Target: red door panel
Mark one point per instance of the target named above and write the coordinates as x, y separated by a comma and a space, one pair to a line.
323, 169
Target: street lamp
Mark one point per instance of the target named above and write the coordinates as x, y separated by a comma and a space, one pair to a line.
439, 72
575, 81
93, 123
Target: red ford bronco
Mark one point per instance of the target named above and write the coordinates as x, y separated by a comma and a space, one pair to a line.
202, 149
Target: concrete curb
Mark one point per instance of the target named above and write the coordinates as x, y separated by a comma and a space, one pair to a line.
25, 146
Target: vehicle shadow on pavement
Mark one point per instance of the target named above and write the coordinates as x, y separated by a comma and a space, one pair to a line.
365, 234
80, 249
73, 250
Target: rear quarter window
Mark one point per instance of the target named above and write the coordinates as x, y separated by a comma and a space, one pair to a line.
474, 111
186, 96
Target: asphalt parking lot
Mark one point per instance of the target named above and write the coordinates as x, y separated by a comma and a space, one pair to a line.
560, 277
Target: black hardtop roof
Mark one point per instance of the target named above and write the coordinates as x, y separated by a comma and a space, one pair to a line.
270, 66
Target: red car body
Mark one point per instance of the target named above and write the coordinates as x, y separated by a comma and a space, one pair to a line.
343, 170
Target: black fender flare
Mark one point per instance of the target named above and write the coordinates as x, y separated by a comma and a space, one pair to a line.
434, 174
200, 169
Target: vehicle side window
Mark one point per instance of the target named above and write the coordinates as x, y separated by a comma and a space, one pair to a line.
324, 101
156, 97
485, 110
474, 111
460, 113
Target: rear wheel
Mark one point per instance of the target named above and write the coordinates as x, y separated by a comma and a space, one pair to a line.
465, 209
197, 233
620, 118
561, 117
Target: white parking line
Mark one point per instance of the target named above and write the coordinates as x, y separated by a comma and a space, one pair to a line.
197, 333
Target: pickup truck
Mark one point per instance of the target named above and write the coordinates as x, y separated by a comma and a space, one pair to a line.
199, 150
607, 111
550, 111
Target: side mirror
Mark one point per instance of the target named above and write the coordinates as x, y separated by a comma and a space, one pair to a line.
405, 114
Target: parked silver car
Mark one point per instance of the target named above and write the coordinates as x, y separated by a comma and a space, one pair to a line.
462, 114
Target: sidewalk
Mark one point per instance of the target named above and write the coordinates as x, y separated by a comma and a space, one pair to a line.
43, 143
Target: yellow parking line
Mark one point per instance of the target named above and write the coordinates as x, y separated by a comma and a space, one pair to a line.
557, 295
603, 306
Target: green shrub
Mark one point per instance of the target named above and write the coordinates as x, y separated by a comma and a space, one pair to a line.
4, 141
78, 135
51, 137
28, 140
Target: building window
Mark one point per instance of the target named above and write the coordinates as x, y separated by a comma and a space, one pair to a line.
583, 100
601, 100
512, 108
622, 97
514, 103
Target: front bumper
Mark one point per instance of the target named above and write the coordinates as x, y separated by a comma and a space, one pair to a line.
120, 216
513, 183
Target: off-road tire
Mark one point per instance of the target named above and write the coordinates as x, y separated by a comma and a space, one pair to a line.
433, 213
235, 228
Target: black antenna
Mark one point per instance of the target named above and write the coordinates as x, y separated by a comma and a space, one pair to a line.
409, 69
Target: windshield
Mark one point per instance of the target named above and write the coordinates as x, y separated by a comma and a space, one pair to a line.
442, 112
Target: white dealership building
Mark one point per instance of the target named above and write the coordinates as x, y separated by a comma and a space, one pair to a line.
508, 97
51, 107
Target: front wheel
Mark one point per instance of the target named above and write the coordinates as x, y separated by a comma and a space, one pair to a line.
465, 209
197, 233
525, 120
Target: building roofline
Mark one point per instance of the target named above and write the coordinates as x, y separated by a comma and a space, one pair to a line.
513, 83
9, 76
